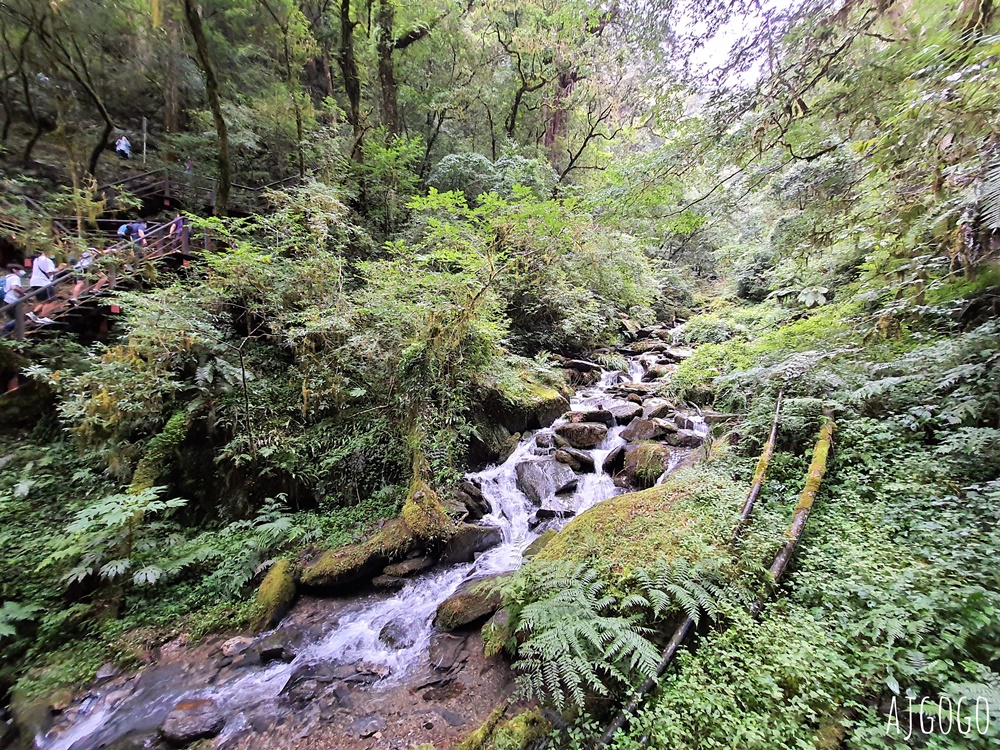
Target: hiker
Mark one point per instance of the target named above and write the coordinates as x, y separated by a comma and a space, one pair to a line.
134, 231
189, 166
43, 272
12, 289
177, 229
81, 272
123, 148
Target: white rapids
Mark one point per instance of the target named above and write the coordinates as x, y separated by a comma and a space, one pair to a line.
355, 638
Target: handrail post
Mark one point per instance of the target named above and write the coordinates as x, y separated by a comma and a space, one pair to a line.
185, 249
19, 320
112, 276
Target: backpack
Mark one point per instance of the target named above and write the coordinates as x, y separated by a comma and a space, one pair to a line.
125, 230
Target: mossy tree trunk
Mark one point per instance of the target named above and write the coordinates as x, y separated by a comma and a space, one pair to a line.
193, 17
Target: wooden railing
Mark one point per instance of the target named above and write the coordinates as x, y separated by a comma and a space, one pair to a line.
158, 242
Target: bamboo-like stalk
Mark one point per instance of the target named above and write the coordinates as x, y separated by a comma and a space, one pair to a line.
682, 631
817, 469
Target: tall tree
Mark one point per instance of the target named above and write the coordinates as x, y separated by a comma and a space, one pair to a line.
193, 16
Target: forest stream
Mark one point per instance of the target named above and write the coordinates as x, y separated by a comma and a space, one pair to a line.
357, 663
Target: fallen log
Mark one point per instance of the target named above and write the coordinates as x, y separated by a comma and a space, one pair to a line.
682, 631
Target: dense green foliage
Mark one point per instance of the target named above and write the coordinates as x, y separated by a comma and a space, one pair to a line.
481, 186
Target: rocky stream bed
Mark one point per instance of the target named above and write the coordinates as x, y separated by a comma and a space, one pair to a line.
400, 663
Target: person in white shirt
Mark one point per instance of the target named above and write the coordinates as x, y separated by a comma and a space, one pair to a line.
123, 148
12, 290
43, 271
81, 273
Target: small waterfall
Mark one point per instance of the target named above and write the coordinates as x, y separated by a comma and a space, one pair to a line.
355, 639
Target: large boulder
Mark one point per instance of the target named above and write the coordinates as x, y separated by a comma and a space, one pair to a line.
657, 408
423, 522
410, 566
647, 429
472, 604
645, 462
468, 541
614, 462
542, 478
192, 720
685, 439
585, 435
625, 412
275, 595
539, 544
576, 460
602, 416
526, 402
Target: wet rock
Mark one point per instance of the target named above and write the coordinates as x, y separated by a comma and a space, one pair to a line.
279, 646
580, 365
236, 646
645, 462
275, 596
472, 496
374, 669
394, 635
452, 719
365, 726
685, 439
468, 541
657, 372
388, 583
600, 416
246, 659
542, 478
583, 435
546, 514
545, 440
677, 354
192, 720
634, 398
645, 429
714, 417
471, 604
576, 460
688, 421
538, 545
657, 408
409, 567
614, 462
446, 650
106, 672
625, 412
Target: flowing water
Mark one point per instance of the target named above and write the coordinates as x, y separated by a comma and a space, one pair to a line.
355, 637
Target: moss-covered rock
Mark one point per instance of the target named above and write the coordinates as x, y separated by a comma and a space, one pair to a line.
275, 596
645, 462
689, 516
538, 545
518, 733
470, 605
422, 524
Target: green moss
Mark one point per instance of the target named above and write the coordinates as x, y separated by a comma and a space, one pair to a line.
423, 521
158, 451
516, 734
690, 516
520, 731
539, 544
424, 514
479, 738
649, 461
275, 595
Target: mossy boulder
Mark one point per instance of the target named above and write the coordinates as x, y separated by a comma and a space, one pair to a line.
538, 545
471, 604
275, 596
645, 462
423, 524
518, 733
690, 516
524, 399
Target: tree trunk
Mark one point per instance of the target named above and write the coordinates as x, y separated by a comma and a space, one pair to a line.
214, 103
171, 93
349, 69
385, 20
